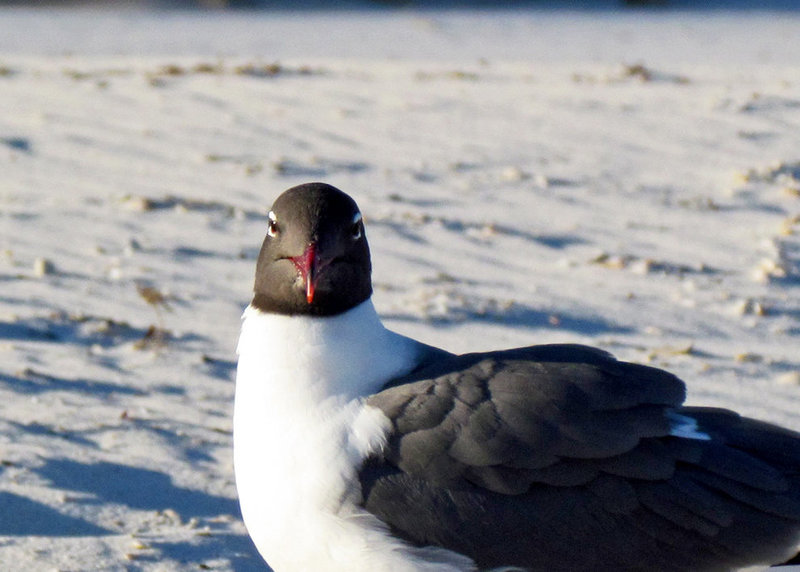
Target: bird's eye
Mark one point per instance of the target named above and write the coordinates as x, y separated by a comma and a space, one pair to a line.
272, 226
357, 230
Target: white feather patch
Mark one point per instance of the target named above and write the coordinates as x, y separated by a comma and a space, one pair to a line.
685, 427
301, 433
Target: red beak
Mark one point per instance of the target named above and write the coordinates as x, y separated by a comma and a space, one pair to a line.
306, 265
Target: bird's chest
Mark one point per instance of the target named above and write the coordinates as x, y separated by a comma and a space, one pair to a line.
290, 449
296, 457
302, 431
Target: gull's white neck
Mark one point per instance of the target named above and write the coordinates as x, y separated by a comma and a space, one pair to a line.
340, 357
302, 430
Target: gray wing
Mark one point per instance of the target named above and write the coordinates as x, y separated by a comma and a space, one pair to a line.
563, 458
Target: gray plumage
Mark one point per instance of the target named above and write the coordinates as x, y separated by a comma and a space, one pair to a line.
562, 458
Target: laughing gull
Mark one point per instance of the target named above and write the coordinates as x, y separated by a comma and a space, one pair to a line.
357, 449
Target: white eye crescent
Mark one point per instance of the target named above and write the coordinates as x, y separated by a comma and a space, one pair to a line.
357, 230
272, 226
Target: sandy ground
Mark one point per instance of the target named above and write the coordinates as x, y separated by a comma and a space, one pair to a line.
636, 197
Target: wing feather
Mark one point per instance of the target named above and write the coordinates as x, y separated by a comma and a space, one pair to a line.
510, 411
562, 458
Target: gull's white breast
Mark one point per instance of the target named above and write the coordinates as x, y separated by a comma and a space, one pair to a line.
302, 430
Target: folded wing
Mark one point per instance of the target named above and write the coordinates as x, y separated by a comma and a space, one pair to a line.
562, 458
